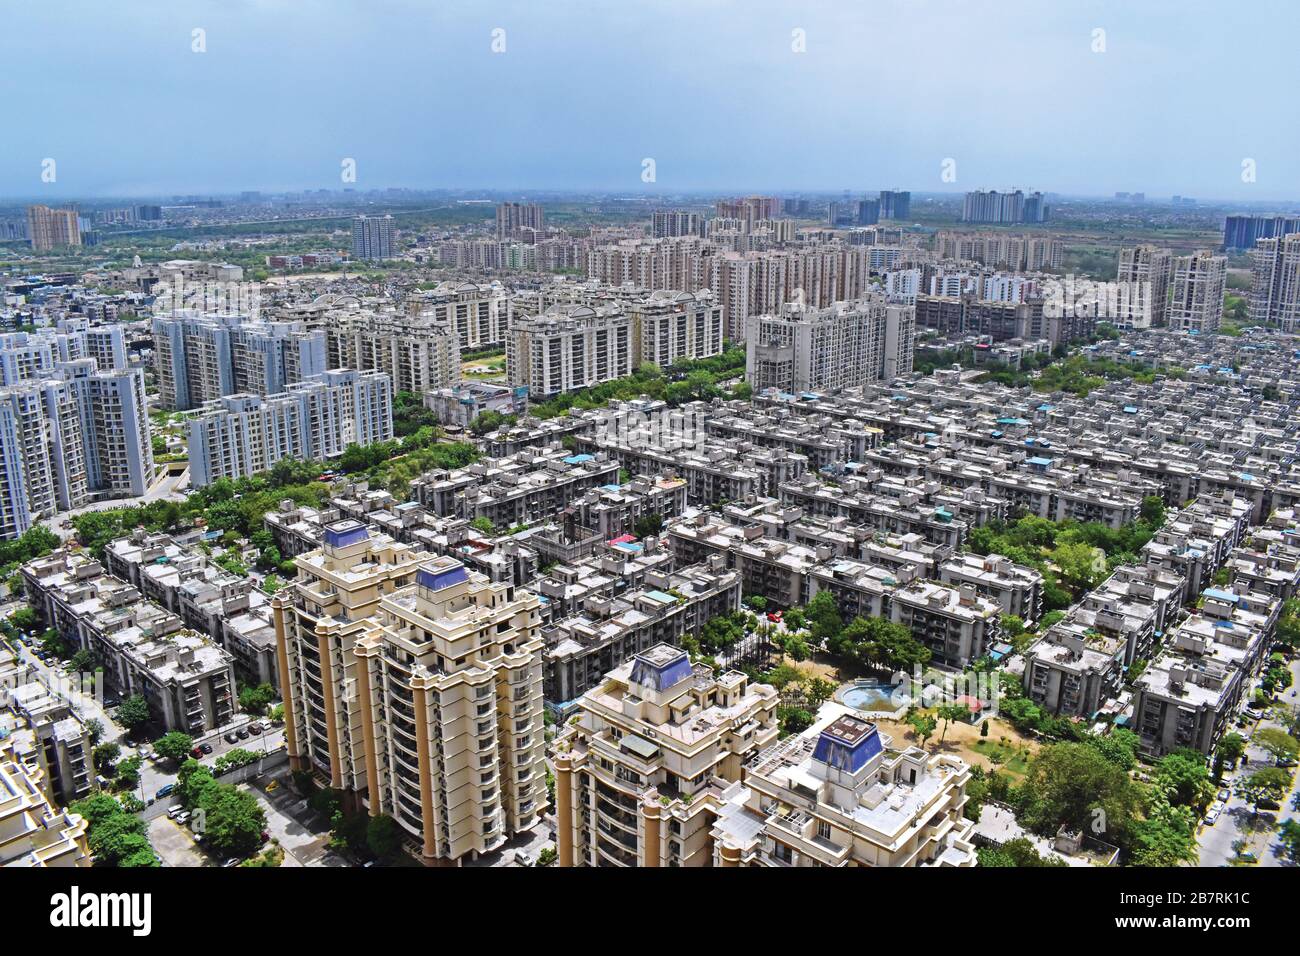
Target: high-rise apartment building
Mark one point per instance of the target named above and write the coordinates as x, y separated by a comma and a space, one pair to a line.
418, 354
519, 220
568, 347
895, 204
52, 228
1275, 291
70, 434
640, 774
477, 313
750, 208
199, 358
415, 687
372, 238
672, 223
33, 831
1196, 290
241, 435
801, 349
1241, 232
1148, 264
997, 207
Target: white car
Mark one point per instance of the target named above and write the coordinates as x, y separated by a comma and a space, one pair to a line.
1212, 814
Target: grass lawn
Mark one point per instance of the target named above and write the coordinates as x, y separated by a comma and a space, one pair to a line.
1003, 756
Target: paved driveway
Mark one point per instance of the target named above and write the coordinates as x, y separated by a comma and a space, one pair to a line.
291, 821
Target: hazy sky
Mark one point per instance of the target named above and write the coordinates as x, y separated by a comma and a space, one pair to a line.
710, 89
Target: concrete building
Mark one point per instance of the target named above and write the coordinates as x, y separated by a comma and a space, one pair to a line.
52, 228
569, 347
33, 831
848, 344
838, 795
1149, 264
418, 353
372, 238
641, 771
1196, 289
1275, 290
317, 419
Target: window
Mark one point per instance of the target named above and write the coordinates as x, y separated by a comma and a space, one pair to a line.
823, 829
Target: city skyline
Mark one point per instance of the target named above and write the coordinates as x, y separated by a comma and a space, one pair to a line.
269, 98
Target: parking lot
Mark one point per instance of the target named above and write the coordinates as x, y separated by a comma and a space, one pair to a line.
174, 844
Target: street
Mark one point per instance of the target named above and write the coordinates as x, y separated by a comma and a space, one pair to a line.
1238, 821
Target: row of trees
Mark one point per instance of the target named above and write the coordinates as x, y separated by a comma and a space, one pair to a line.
231, 821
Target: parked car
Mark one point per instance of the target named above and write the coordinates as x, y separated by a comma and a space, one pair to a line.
230, 738
241, 733
182, 818
1224, 794
165, 790
1212, 815
231, 862
206, 748
174, 811
196, 753
254, 728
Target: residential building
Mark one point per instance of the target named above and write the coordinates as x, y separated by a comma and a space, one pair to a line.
840, 794
242, 435
372, 238
640, 772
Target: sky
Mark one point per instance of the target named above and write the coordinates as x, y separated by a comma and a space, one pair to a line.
1171, 97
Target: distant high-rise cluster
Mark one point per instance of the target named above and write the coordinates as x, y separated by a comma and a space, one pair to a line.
991, 206
895, 204
372, 238
750, 208
52, 228
671, 223
519, 220
1240, 232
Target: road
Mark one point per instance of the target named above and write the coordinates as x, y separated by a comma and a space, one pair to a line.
1238, 821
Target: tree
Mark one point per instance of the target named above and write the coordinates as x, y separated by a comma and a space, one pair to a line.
1072, 784
1229, 750
104, 756
1264, 786
483, 524
234, 821
1166, 836
1289, 838
949, 713
1183, 779
117, 837
1278, 744
793, 720
1019, 852
25, 619
134, 712
95, 728
824, 617
1152, 511
648, 525
128, 773
1119, 746
820, 691
174, 745
383, 836
84, 660
254, 700
923, 724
